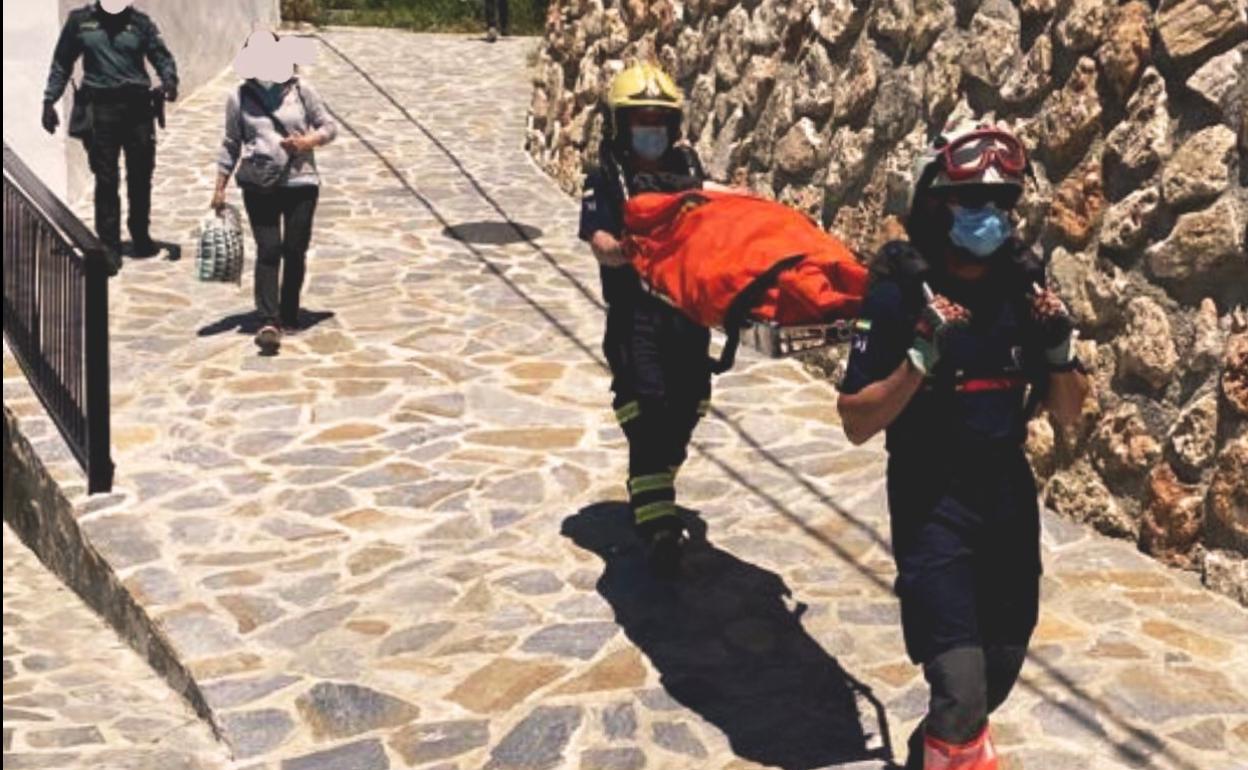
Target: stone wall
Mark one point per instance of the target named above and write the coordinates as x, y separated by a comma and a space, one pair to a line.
204, 37
1137, 116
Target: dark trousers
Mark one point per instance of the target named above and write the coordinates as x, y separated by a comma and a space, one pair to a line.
661, 378
122, 124
281, 221
496, 15
966, 539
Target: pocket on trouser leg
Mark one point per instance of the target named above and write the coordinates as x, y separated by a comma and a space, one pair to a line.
937, 587
615, 348
914, 632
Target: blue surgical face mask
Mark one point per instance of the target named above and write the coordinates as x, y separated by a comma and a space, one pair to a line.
980, 231
649, 142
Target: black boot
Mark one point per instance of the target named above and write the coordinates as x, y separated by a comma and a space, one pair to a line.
914, 749
665, 541
144, 246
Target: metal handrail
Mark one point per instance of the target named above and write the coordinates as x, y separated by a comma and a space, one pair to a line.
56, 275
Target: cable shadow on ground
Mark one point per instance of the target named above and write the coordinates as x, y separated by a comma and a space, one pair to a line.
521, 234
576, 283
731, 715
727, 646
1098, 706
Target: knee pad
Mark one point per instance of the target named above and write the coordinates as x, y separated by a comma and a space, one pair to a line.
959, 702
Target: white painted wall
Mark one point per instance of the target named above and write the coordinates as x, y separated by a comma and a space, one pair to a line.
30, 31
204, 36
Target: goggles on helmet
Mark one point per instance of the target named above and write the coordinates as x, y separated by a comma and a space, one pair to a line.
971, 154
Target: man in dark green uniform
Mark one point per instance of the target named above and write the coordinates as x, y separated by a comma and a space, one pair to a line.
113, 40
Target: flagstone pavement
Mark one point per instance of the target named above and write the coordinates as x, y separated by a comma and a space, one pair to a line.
400, 543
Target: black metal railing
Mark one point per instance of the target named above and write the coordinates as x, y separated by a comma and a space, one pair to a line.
56, 314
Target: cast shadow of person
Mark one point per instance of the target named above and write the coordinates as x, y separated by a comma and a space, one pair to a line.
247, 322
727, 646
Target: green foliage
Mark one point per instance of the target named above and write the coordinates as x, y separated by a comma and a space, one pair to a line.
527, 16
299, 10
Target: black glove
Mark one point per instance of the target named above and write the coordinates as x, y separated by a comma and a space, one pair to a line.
50, 118
1055, 325
171, 93
938, 319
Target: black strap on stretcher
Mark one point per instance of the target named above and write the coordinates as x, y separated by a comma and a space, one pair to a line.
739, 311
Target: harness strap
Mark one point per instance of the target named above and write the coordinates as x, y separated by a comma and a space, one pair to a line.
982, 384
738, 311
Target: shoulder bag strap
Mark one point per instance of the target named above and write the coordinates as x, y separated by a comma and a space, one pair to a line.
277, 124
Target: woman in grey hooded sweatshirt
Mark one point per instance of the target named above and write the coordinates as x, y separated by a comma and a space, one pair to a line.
275, 117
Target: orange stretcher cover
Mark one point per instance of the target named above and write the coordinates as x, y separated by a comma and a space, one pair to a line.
700, 249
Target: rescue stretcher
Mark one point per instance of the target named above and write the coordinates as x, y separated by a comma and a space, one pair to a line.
758, 270
775, 341
772, 339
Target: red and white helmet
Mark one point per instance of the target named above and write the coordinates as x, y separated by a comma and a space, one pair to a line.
971, 153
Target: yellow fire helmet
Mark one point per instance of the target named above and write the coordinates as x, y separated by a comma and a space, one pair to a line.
641, 85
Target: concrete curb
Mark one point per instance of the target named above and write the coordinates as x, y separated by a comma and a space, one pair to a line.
41, 515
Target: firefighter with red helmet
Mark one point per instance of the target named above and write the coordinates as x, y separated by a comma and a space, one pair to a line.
959, 343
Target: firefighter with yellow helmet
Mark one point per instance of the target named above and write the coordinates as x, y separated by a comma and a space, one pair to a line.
660, 367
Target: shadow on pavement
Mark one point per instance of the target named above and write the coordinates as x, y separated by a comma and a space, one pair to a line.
727, 645
492, 233
171, 250
1097, 705
248, 322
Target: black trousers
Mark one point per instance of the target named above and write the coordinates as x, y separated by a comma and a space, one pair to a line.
281, 221
122, 123
496, 15
661, 379
966, 539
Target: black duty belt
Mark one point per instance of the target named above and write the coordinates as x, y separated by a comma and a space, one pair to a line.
121, 95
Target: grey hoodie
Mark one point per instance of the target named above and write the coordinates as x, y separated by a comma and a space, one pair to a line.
248, 128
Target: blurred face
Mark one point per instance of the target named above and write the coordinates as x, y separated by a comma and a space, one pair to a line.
647, 117
978, 196
265, 57
114, 6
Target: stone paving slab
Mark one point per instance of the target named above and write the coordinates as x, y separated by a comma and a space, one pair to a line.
401, 543
75, 696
